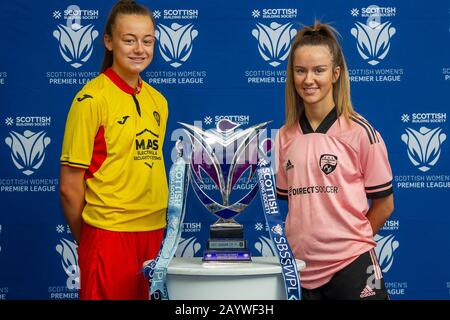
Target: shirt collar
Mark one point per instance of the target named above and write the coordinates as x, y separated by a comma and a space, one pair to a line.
326, 123
118, 81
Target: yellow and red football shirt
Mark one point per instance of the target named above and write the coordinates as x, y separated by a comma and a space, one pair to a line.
116, 133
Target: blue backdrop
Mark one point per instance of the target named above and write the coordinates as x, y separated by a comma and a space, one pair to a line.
218, 59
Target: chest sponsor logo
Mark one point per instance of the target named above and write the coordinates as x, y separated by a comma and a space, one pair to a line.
328, 163
147, 147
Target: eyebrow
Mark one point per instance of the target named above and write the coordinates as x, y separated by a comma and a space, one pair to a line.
133, 35
318, 66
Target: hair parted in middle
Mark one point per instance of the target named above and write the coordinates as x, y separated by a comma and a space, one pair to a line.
319, 34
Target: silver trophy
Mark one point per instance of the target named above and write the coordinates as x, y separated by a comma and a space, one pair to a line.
223, 166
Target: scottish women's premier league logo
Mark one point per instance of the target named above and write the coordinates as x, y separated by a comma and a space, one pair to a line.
76, 42
223, 166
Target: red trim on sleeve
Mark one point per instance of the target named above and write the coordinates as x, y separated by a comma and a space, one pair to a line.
118, 81
98, 154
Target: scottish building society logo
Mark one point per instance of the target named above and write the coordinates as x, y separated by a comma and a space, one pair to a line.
373, 37
28, 149
69, 261
175, 42
386, 246
424, 146
76, 40
187, 248
265, 247
274, 41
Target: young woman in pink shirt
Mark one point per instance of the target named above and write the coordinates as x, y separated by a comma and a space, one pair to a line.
330, 161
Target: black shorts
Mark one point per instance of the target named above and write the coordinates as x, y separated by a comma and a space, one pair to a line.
360, 280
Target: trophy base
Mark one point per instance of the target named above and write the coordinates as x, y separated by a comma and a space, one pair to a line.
226, 243
226, 230
226, 256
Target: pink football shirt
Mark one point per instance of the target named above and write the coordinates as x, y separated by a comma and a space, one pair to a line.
327, 176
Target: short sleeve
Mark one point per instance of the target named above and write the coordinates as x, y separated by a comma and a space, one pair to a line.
375, 165
82, 124
280, 173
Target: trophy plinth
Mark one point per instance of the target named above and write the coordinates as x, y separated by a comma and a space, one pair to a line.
226, 243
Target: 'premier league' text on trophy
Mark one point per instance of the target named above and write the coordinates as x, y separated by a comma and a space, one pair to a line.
223, 166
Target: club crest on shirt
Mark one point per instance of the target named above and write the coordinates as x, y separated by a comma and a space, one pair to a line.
327, 163
157, 117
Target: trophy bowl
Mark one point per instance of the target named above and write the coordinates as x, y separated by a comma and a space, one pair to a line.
223, 163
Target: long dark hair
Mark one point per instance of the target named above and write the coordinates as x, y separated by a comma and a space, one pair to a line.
121, 7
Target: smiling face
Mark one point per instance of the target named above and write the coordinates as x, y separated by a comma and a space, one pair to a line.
314, 75
132, 43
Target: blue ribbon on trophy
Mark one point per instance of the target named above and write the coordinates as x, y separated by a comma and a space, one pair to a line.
276, 230
156, 270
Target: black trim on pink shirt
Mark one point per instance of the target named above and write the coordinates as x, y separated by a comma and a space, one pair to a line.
373, 138
282, 197
380, 194
379, 186
281, 190
324, 126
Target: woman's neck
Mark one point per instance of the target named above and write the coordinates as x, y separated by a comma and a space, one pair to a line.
316, 114
131, 79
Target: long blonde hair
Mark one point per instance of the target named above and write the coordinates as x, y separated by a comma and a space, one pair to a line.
319, 34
